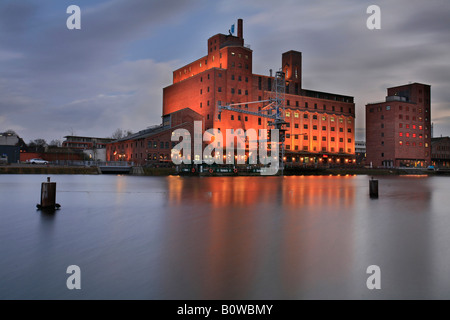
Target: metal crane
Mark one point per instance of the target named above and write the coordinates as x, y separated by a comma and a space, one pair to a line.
274, 110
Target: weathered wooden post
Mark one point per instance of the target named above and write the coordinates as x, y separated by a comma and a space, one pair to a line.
373, 188
48, 196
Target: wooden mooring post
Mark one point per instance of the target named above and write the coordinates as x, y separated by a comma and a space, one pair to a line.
373, 188
48, 196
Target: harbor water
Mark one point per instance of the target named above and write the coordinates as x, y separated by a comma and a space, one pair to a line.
297, 237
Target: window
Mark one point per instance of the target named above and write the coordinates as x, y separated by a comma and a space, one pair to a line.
341, 139
239, 78
350, 141
315, 117
305, 137
314, 127
288, 114
315, 138
400, 134
333, 128
332, 139
296, 125
232, 90
400, 125
295, 114
305, 126
400, 142
246, 118
341, 129
388, 108
349, 130
324, 138
305, 116
232, 77
232, 117
296, 136
219, 89
324, 128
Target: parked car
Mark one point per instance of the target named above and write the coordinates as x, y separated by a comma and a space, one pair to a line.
37, 161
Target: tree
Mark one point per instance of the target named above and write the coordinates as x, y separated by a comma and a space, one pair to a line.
119, 134
38, 145
55, 143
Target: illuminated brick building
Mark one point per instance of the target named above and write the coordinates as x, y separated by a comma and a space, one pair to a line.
321, 126
153, 145
398, 130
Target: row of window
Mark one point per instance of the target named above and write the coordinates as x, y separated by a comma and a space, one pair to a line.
407, 126
413, 144
162, 144
407, 134
324, 138
239, 78
324, 149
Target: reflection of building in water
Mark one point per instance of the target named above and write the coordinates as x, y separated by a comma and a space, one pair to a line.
271, 237
246, 191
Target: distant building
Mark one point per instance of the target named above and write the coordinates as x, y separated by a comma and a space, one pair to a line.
440, 152
153, 145
10, 146
360, 151
94, 148
398, 130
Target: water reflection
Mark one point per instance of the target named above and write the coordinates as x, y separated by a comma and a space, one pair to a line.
226, 237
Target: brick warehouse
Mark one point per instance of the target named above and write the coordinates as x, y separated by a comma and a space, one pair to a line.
398, 130
153, 145
320, 129
321, 126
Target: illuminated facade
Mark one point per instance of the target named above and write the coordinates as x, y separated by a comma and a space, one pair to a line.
153, 145
398, 130
321, 126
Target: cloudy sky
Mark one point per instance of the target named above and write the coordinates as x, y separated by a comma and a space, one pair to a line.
110, 74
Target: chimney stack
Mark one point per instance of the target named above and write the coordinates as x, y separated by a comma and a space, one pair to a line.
240, 30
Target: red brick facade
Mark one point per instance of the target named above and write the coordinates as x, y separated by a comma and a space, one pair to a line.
153, 145
321, 125
398, 131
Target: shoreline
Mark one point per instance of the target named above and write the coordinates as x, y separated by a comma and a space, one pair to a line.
171, 171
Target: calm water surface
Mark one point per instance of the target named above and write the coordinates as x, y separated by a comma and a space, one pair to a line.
225, 237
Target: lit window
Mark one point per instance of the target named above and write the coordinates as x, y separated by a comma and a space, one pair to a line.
400, 134
295, 114
288, 114
400, 142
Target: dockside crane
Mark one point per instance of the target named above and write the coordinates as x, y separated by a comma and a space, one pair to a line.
274, 110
